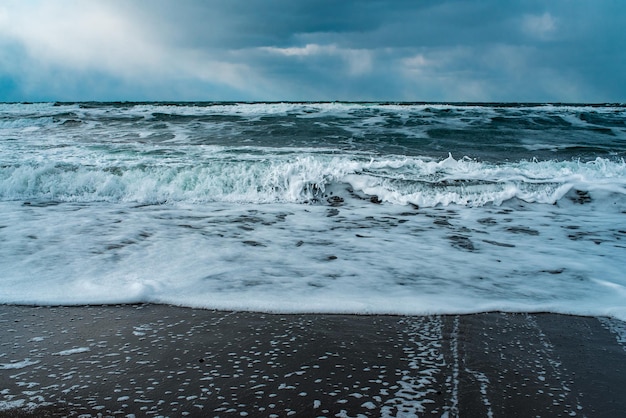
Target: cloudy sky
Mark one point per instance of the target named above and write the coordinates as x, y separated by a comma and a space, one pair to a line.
372, 50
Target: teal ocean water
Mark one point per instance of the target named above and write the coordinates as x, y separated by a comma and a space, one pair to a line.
315, 207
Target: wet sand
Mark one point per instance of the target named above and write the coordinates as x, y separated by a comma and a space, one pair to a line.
156, 360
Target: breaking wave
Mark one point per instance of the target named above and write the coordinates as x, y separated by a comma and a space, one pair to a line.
310, 179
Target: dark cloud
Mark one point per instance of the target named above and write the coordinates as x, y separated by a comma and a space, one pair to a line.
483, 50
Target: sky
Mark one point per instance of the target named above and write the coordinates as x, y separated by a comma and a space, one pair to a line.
313, 50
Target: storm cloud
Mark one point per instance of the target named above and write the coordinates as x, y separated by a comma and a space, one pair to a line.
480, 50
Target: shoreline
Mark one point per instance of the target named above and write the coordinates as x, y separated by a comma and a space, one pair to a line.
149, 359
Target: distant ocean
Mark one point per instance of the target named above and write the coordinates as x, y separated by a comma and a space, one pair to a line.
365, 208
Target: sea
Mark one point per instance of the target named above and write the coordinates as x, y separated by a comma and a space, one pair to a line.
359, 208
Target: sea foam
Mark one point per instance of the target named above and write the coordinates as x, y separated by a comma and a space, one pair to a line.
304, 179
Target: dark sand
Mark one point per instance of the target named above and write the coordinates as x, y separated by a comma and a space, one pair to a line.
152, 360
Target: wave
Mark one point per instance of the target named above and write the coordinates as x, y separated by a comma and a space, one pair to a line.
583, 113
320, 178
485, 131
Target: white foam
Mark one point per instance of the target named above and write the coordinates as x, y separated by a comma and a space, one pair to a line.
71, 351
288, 178
294, 258
18, 364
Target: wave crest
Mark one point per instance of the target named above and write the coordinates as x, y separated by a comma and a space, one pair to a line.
313, 178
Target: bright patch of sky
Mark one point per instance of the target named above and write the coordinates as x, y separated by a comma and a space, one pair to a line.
448, 50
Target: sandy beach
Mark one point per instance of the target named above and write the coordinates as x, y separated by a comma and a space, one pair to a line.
156, 360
